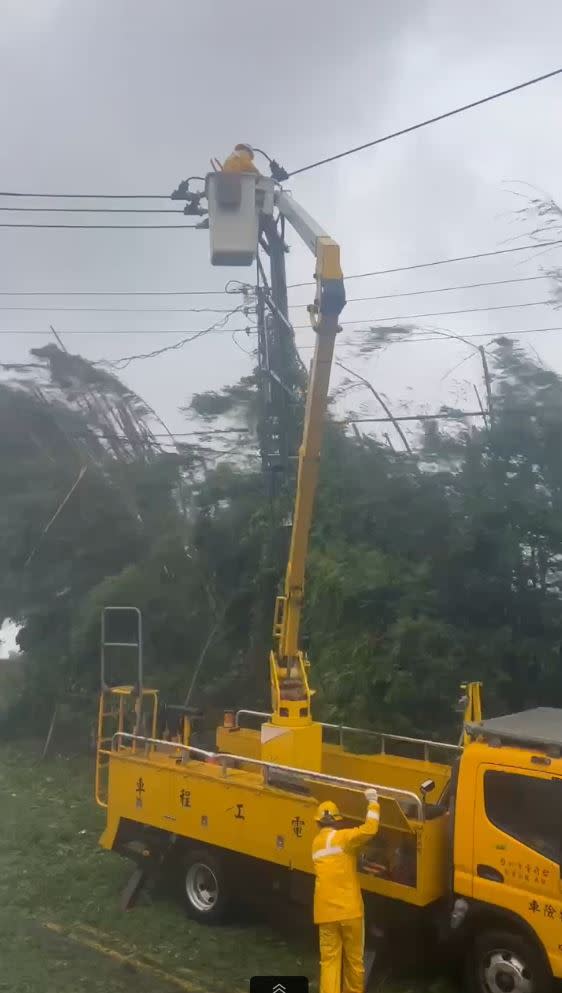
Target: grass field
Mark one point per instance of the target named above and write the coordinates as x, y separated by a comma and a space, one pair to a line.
61, 930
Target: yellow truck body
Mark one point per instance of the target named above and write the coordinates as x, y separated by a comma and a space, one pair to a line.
267, 811
462, 858
469, 837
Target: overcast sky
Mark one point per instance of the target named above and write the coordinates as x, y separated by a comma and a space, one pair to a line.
132, 96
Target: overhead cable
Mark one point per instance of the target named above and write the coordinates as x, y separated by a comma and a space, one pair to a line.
435, 289
429, 120
105, 227
143, 310
113, 293
122, 310
88, 196
357, 275
296, 327
380, 319
126, 360
443, 415
122, 331
435, 262
454, 415
444, 336
91, 210
419, 334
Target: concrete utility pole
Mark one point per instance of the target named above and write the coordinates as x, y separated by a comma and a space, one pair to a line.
275, 351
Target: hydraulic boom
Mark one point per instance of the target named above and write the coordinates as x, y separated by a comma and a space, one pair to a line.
241, 207
291, 693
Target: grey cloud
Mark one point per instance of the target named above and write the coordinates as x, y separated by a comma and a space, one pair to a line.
133, 96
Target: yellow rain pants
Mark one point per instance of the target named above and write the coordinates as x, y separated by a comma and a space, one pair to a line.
342, 943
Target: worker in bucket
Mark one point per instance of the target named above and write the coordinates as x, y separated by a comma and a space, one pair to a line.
338, 904
240, 160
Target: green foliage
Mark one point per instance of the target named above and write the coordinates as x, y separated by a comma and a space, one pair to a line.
425, 570
421, 579
242, 399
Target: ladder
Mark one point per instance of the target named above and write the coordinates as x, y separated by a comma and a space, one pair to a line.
121, 707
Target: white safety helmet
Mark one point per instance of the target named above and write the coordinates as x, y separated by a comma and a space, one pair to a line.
242, 147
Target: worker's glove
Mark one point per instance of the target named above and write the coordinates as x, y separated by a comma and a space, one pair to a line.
371, 796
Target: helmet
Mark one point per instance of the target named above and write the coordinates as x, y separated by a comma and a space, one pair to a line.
327, 813
242, 147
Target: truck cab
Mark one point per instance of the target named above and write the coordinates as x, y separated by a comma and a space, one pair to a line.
507, 832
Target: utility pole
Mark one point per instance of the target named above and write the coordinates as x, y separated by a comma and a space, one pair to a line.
282, 377
276, 359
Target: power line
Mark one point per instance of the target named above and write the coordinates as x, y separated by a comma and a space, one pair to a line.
421, 335
453, 415
203, 431
105, 227
92, 210
486, 334
122, 331
213, 330
429, 120
359, 275
297, 327
448, 336
435, 262
195, 310
126, 360
89, 196
332, 158
111, 293
114, 436
436, 313
124, 310
437, 289
445, 416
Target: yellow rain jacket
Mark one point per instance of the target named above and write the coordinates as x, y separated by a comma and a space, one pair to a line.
337, 893
239, 161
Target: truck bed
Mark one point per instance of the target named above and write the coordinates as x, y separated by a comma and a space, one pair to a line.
267, 812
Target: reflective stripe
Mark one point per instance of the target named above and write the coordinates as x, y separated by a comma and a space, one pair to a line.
330, 849
373, 815
323, 853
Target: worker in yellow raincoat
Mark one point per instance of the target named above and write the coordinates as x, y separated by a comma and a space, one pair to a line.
240, 160
338, 904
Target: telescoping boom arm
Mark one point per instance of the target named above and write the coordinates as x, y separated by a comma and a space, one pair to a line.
239, 197
290, 690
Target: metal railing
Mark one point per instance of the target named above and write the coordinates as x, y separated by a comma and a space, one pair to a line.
225, 758
137, 645
383, 736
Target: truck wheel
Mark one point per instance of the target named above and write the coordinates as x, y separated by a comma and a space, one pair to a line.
506, 962
206, 890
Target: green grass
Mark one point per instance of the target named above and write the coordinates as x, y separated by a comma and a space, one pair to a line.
52, 872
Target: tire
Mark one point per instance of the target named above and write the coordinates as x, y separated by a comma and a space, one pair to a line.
506, 962
206, 889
